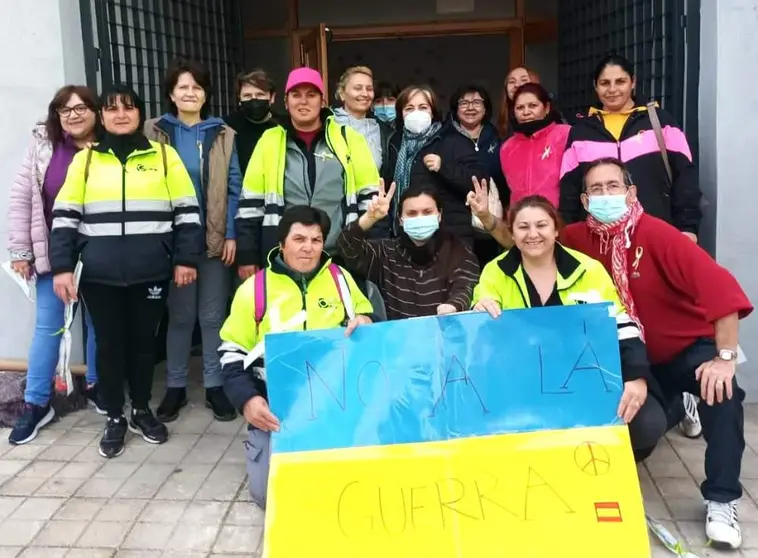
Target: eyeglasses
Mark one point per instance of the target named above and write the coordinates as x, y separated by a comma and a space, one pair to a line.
79, 110
478, 103
600, 189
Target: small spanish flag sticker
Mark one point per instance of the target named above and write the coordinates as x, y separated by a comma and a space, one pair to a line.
608, 512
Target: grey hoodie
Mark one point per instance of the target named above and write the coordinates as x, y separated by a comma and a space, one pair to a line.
367, 127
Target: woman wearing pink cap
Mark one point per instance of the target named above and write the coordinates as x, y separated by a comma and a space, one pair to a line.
309, 159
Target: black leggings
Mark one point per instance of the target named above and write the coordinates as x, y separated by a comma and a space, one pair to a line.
125, 321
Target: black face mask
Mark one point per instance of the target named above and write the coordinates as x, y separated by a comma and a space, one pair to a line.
256, 109
531, 128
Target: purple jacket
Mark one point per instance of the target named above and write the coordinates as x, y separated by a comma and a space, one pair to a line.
27, 231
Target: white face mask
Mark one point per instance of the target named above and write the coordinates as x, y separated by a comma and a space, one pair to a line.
417, 121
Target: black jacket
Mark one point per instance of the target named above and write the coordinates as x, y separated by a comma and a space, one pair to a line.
389, 152
453, 181
677, 203
248, 134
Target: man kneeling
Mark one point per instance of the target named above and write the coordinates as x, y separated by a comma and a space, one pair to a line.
300, 277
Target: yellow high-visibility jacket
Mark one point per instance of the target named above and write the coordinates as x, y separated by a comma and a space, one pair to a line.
290, 292
261, 202
130, 223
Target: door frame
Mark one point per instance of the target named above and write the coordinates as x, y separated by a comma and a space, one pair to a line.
314, 38
519, 30
512, 27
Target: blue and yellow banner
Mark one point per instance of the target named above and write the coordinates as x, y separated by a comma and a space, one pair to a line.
450, 437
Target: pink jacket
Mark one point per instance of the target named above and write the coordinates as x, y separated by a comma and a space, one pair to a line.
27, 230
532, 165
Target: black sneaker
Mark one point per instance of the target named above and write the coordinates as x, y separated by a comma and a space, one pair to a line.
30, 422
93, 399
216, 400
112, 442
144, 424
173, 401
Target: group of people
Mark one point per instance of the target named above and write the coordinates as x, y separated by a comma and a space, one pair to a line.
378, 208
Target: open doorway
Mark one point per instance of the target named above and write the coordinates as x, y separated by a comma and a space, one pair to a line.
444, 63
441, 54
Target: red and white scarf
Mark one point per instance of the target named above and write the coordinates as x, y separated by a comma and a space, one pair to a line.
617, 237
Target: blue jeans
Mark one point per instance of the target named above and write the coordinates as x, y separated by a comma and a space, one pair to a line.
43, 353
204, 301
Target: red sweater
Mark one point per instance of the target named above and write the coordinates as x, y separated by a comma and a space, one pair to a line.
678, 289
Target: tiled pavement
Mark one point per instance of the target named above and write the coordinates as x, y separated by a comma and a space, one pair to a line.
188, 497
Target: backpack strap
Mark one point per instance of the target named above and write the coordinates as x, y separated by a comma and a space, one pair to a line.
342, 289
339, 281
260, 296
658, 131
87, 163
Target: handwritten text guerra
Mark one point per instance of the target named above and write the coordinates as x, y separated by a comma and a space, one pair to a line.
365, 507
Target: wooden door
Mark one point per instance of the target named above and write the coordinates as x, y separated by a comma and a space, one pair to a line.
309, 49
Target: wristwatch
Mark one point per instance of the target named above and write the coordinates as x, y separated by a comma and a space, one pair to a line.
727, 355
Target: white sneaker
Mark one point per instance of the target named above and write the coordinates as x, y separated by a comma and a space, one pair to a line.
690, 425
721, 527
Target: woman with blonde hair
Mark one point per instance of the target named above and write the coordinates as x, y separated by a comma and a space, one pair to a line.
355, 95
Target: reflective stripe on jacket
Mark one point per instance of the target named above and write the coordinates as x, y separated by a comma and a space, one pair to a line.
129, 223
221, 180
318, 296
262, 204
580, 279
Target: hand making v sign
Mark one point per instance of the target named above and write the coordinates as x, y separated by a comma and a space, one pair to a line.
378, 207
478, 199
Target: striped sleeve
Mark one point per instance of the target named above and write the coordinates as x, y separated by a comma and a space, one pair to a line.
465, 276
251, 208
364, 256
570, 203
67, 215
364, 167
238, 337
189, 242
233, 193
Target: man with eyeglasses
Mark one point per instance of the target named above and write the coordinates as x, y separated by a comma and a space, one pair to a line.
688, 308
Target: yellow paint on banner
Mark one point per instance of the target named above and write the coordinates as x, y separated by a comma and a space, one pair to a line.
567, 493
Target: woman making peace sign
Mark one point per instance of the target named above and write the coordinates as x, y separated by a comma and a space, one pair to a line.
424, 271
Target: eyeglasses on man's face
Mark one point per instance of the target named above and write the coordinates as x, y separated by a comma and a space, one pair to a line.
612, 188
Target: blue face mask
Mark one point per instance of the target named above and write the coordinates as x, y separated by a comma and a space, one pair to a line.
421, 228
385, 113
608, 209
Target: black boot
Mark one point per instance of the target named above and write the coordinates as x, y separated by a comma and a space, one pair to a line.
216, 400
173, 401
